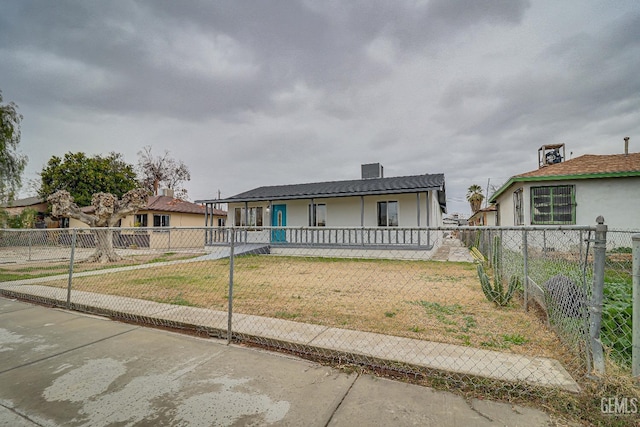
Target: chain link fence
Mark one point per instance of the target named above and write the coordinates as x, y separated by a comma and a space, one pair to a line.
617, 326
395, 300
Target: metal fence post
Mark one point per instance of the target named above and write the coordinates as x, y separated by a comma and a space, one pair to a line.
29, 234
71, 256
231, 259
635, 340
599, 258
525, 280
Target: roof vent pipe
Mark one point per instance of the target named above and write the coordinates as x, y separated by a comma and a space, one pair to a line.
626, 145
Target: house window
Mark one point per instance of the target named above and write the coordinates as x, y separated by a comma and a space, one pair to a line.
254, 218
317, 215
518, 212
161, 220
553, 205
141, 220
388, 214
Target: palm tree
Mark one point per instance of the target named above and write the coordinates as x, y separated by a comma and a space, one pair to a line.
475, 197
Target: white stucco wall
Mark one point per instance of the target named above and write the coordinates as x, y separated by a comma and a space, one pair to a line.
346, 211
617, 199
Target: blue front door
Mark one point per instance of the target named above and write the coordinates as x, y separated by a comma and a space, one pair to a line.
278, 222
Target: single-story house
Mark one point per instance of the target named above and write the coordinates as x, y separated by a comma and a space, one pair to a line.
161, 213
486, 216
16, 207
574, 192
374, 201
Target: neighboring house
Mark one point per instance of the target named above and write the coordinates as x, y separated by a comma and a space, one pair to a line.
486, 216
16, 207
575, 191
372, 201
161, 213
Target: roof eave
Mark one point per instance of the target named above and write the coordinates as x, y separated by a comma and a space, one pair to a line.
322, 195
602, 175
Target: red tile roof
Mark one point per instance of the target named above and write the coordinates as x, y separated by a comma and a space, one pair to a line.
169, 204
590, 164
583, 167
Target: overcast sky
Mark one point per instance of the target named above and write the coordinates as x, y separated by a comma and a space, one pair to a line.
252, 93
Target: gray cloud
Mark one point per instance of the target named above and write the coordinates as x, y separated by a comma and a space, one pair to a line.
258, 93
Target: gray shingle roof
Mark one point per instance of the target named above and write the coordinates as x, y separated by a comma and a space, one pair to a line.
356, 187
18, 203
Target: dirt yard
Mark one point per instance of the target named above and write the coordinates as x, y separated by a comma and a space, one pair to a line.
437, 301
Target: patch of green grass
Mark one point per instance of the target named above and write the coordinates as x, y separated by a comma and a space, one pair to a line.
8, 277
445, 320
493, 343
61, 268
285, 315
466, 339
516, 339
621, 250
434, 307
416, 329
164, 281
469, 322
390, 314
177, 300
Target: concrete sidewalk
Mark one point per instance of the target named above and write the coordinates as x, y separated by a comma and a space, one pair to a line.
65, 368
359, 345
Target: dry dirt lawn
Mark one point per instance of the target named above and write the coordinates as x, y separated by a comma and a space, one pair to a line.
437, 301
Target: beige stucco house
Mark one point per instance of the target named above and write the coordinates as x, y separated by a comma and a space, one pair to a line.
165, 222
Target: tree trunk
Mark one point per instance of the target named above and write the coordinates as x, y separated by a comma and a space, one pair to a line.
104, 247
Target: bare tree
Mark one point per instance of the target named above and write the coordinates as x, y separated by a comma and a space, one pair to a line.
155, 171
108, 210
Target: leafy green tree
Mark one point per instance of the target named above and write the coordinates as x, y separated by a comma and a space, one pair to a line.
12, 163
84, 176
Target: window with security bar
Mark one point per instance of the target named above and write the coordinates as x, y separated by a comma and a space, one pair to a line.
553, 205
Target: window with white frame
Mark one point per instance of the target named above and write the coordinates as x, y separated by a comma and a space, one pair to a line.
317, 215
141, 220
388, 214
518, 211
160, 220
253, 219
553, 205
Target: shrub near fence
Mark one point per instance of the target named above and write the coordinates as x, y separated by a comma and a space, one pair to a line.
409, 308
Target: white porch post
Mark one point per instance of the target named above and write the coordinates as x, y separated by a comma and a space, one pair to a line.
428, 218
